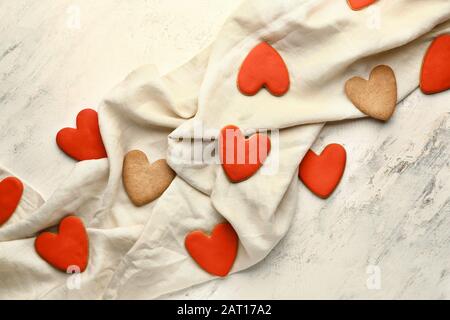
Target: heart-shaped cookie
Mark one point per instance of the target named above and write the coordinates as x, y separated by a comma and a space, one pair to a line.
11, 190
435, 75
215, 253
241, 157
84, 142
144, 182
68, 248
263, 67
321, 174
376, 97
360, 4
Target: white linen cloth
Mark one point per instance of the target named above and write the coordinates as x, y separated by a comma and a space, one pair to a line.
139, 252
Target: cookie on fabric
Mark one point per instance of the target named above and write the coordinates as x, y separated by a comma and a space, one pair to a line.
241, 158
263, 67
85, 141
11, 190
376, 97
145, 182
360, 4
67, 249
215, 253
435, 75
322, 173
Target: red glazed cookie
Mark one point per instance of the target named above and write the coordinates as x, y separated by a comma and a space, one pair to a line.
144, 182
242, 157
360, 4
216, 253
84, 142
11, 190
263, 67
321, 174
68, 248
435, 76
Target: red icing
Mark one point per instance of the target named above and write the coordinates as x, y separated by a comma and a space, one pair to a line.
216, 253
263, 67
435, 75
84, 142
360, 4
70, 247
321, 174
11, 190
242, 157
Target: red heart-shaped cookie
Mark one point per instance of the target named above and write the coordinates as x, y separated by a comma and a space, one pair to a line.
376, 97
435, 76
11, 190
144, 182
68, 248
360, 4
216, 253
263, 67
241, 157
321, 174
84, 142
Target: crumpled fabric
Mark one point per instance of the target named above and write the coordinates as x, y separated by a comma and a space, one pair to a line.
139, 253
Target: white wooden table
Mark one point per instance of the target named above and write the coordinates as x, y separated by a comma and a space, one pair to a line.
385, 232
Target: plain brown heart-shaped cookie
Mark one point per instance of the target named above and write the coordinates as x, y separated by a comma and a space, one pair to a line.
376, 97
69, 247
144, 182
214, 253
